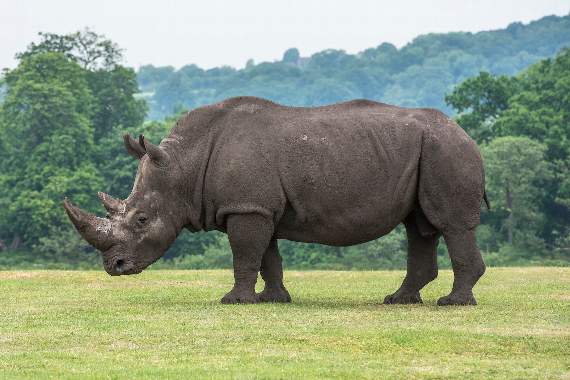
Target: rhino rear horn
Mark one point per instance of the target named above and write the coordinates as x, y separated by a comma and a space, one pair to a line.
133, 147
96, 231
112, 205
157, 155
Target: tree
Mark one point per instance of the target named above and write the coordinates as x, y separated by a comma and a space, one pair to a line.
112, 85
63, 102
516, 171
534, 104
114, 102
291, 56
49, 145
89, 49
479, 101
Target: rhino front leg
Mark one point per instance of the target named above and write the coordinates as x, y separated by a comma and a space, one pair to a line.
422, 262
272, 274
249, 236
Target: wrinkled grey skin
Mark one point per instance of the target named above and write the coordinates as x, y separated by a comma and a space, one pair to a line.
338, 175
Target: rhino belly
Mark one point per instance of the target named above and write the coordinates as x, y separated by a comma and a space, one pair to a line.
348, 210
340, 229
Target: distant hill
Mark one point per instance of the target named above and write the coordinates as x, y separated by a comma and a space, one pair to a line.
417, 75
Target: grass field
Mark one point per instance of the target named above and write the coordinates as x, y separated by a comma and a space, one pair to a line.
170, 324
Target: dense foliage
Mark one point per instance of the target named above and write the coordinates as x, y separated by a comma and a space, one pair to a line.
61, 106
523, 126
69, 100
417, 75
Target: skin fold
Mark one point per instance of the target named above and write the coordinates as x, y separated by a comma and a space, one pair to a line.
338, 175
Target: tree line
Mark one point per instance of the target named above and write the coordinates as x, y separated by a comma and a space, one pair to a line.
69, 100
417, 75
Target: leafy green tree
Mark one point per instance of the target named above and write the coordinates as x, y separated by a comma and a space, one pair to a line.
89, 49
63, 102
534, 104
48, 142
114, 103
112, 86
516, 171
479, 101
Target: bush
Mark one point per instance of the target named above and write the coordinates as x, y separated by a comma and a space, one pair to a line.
510, 256
216, 255
25, 260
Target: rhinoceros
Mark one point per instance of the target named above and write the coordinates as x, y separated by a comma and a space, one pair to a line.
337, 175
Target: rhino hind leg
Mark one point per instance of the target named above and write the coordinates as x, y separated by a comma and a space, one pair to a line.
422, 259
249, 236
272, 274
468, 267
450, 193
457, 216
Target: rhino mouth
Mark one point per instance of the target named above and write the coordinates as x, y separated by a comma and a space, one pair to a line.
121, 267
117, 263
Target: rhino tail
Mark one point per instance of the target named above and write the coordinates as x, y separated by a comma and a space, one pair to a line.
486, 200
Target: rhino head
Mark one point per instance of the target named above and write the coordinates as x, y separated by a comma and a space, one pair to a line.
137, 231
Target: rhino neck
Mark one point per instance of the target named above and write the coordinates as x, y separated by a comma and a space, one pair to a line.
193, 157
194, 136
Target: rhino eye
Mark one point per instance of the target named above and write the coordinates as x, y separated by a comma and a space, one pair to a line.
142, 219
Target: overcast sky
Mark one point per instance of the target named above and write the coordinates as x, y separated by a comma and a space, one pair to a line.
213, 32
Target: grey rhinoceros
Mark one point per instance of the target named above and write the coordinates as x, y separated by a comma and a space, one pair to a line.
339, 175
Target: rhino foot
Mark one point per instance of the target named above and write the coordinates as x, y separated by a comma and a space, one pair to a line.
457, 299
273, 294
239, 296
403, 298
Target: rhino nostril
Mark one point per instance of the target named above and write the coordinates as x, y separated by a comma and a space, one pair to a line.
119, 264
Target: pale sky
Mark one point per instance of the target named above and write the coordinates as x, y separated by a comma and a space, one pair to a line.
213, 32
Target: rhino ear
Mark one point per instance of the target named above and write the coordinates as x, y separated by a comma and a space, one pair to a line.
133, 147
157, 154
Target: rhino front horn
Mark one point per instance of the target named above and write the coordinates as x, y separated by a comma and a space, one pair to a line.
96, 231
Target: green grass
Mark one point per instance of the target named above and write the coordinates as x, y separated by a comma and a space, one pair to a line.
170, 324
